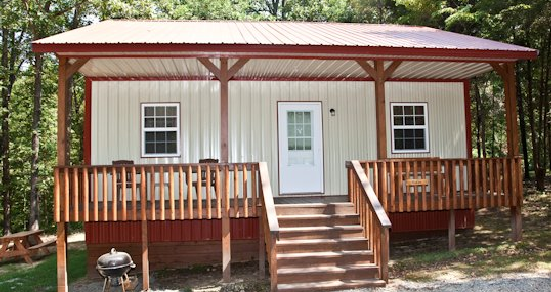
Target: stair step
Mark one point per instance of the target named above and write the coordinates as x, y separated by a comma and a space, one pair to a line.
313, 245
330, 285
315, 274
320, 232
318, 220
315, 208
324, 259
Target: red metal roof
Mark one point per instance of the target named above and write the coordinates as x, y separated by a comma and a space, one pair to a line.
198, 37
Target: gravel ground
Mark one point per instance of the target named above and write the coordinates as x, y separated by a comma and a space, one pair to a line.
526, 282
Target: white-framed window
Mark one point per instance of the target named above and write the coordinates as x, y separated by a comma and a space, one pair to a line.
410, 131
160, 129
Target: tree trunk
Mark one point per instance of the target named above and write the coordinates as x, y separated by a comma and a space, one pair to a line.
531, 116
478, 117
5, 138
33, 200
522, 125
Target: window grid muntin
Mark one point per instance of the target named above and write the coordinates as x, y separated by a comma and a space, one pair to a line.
159, 137
299, 130
411, 121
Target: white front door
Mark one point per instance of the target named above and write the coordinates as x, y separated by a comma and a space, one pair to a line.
300, 147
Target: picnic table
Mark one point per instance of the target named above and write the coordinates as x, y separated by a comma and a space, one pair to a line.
23, 244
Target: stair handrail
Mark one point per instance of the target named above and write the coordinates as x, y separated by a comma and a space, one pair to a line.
361, 195
269, 222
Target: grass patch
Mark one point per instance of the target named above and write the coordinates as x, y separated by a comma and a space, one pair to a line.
484, 251
41, 277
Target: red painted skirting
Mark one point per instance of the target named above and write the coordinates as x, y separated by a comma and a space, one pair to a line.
430, 220
169, 230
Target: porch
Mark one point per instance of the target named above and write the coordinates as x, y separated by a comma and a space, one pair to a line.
174, 193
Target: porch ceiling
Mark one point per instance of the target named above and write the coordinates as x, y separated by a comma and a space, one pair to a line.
276, 69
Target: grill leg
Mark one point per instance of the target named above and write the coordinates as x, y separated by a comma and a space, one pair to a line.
106, 285
122, 284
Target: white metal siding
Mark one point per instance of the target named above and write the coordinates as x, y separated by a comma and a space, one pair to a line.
446, 114
253, 123
116, 118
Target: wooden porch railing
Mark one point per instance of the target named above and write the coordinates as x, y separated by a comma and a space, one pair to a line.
373, 217
155, 192
426, 184
270, 225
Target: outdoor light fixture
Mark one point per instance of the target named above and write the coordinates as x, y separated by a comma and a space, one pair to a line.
332, 112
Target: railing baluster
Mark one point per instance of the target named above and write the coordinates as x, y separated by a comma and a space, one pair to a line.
415, 188
236, 191
400, 189
95, 187
171, 192
219, 193
461, 185
199, 191
491, 181
469, 176
114, 199
498, 181
207, 193
383, 189
245, 192
440, 182
153, 195
57, 196
104, 194
134, 193
75, 195
85, 194
253, 190
424, 187
123, 192
181, 192
408, 194
484, 184
143, 193
393, 193
189, 173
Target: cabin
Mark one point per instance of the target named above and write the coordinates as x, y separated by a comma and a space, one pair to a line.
300, 145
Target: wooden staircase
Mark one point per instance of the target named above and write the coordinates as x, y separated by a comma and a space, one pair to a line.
321, 246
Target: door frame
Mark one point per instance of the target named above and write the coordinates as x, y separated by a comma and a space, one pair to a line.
279, 149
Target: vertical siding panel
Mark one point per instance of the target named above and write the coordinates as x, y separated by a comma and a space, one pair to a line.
253, 123
446, 126
116, 129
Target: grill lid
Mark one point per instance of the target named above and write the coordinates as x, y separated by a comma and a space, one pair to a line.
114, 259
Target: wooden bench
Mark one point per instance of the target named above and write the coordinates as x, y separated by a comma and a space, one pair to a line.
42, 247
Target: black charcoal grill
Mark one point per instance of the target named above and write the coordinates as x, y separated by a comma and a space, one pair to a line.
114, 267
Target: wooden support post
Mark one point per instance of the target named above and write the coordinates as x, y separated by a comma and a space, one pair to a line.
224, 74
273, 263
62, 285
145, 256
385, 253
380, 75
224, 109
451, 231
261, 246
226, 237
507, 73
380, 110
516, 223
62, 257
